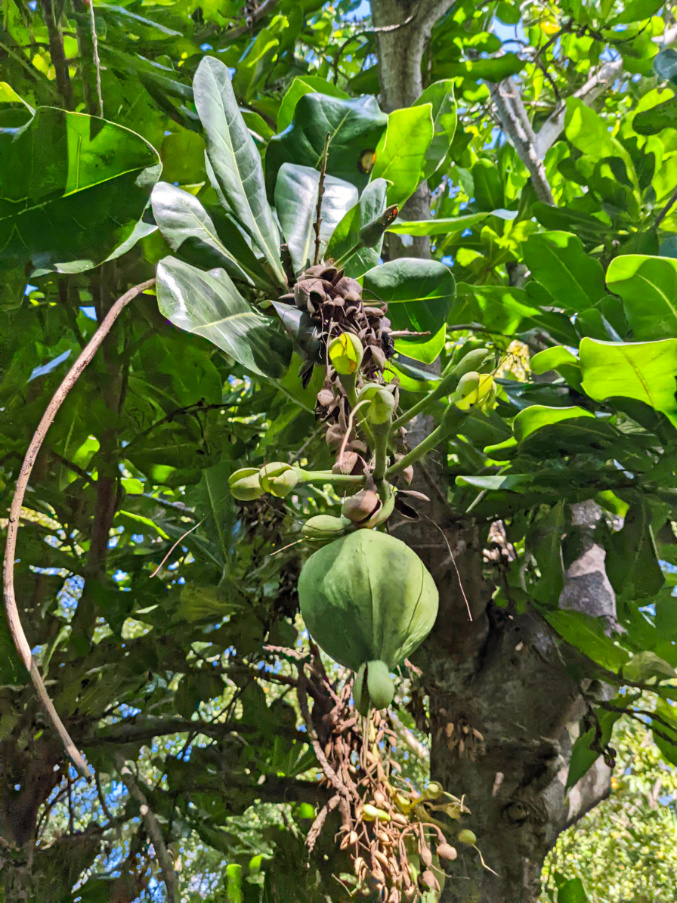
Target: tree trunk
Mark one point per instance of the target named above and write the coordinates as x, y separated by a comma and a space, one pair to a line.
505, 703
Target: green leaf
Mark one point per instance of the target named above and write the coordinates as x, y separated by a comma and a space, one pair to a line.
588, 132
537, 416
587, 634
560, 359
667, 743
648, 287
557, 260
304, 84
587, 227
296, 193
637, 11
255, 63
354, 127
544, 540
72, 188
401, 152
441, 97
572, 892
448, 225
345, 243
489, 194
497, 308
418, 294
236, 169
631, 559
583, 757
655, 119
209, 305
644, 371
189, 231
646, 666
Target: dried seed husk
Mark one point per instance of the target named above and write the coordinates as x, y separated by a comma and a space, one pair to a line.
446, 851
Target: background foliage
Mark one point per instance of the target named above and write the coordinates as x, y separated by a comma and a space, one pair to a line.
181, 671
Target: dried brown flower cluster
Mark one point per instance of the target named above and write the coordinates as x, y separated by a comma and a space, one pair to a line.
397, 846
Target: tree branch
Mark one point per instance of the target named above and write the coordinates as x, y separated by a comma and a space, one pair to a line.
169, 876
56, 51
11, 608
259, 13
517, 127
139, 732
596, 85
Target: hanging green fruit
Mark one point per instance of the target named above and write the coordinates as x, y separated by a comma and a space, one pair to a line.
369, 601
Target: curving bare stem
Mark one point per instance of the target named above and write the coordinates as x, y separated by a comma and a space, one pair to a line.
11, 609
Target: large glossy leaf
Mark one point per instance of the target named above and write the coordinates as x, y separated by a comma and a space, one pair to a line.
560, 359
441, 97
401, 152
418, 294
346, 243
190, 232
588, 635
209, 305
558, 261
548, 432
296, 192
645, 371
447, 225
235, 162
72, 188
354, 128
304, 84
631, 558
648, 287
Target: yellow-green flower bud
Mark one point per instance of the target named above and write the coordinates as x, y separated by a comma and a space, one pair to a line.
278, 478
473, 388
324, 528
244, 484
346, 353
382, 405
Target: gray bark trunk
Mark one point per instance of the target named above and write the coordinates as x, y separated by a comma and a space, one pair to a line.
504, 706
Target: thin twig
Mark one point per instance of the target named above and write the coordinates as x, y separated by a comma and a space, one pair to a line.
259, 13
13, 619
349, 429
453, 561
664, 212
97, 61
165, 862
180, 539
320, 194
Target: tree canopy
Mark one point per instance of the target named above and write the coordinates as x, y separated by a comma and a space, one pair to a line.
382, 267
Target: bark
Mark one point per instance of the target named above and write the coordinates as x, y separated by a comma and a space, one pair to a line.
505, 705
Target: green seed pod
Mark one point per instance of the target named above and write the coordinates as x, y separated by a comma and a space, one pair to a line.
278, 478
380, 684
467, 836
473, 360
473, 389
324, 528
368, 599
244, 484
361, 692
346, 353
383, 403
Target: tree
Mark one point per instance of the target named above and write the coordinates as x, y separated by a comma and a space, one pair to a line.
542, 140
